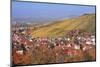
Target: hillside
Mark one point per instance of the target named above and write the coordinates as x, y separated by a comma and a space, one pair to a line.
85, 22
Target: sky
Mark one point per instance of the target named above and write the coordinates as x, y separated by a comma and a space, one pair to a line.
44, 12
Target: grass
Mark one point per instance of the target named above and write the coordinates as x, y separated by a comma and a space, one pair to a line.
59, 28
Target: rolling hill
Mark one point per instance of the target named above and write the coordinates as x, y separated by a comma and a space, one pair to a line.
85, 22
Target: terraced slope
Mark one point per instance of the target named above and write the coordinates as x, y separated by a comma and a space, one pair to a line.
85, 22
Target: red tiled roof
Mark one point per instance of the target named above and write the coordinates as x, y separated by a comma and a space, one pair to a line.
23, 40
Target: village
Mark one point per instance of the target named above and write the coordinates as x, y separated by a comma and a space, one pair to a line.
76, 46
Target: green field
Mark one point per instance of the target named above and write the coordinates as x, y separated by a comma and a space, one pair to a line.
85, 22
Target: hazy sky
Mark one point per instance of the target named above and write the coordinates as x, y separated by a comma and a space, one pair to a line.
39, 12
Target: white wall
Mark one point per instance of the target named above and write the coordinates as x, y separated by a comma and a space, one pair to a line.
5, 33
